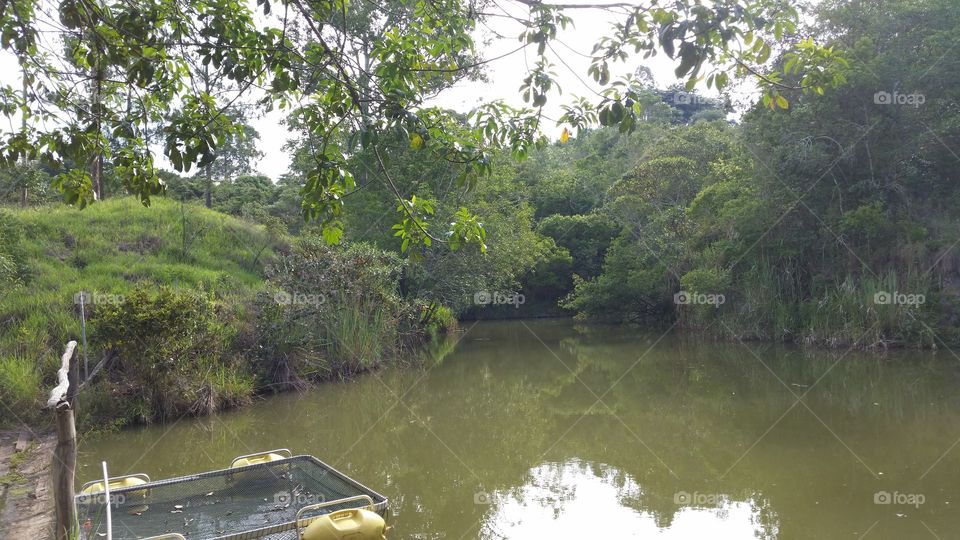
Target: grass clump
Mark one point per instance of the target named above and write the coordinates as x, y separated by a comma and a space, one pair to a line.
19, 386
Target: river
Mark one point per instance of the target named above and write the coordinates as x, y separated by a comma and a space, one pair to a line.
552, 429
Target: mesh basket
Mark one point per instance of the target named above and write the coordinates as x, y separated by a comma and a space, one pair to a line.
256, 501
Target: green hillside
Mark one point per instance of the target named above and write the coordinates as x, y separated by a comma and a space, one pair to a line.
49, 254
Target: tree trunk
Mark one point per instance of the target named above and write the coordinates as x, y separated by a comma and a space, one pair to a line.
97, 175
96, 165
207, 171
208, 191
25, 192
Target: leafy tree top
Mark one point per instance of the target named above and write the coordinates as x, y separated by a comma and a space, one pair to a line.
100, 76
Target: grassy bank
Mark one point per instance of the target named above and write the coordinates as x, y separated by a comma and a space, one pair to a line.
190, 309
55, 252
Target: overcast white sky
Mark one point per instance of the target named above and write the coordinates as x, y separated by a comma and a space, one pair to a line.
569, 56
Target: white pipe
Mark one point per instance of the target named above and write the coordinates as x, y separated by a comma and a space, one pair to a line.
106, 496
83, 332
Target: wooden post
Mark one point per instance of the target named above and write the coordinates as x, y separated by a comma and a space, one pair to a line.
65, 454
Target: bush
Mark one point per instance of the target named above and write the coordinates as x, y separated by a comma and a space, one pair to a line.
868, 225
437, 319
332, 312
706, 280
169, 352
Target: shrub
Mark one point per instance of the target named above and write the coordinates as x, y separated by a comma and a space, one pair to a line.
332, 312
438, 319
867, 224
168, 350
706, 280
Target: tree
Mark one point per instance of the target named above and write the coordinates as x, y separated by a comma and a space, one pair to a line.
247, 195
235, 157
691, 106
349, 89
800, 217
25, 184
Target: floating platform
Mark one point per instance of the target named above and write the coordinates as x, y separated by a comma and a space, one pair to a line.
267, 500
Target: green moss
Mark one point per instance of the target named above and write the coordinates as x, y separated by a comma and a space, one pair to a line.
13, 475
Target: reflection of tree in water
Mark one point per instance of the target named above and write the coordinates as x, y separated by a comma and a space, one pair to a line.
565, 496
490, 414
700, 406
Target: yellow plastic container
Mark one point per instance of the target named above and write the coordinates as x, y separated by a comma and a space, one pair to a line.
262, 457
352, 524
119, 483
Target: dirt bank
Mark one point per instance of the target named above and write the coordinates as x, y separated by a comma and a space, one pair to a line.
26, 496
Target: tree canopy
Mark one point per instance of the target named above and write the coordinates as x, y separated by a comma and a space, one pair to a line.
105, 82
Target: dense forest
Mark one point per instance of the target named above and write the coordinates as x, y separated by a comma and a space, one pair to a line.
823, 217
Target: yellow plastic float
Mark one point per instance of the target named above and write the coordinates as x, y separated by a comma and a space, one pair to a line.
352, 523
118, 482
261, 457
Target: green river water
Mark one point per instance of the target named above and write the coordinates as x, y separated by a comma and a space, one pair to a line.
549, 429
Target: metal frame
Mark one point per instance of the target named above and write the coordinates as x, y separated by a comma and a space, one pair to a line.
112, 480
281, 451
368, 495
301, 523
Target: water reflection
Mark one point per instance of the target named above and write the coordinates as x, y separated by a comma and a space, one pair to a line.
576, 499
567, 426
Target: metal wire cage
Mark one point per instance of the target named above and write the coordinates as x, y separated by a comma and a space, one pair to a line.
251, 502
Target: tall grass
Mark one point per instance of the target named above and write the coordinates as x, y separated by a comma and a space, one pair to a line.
19, 387
361, 335
845, 312
222, 387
